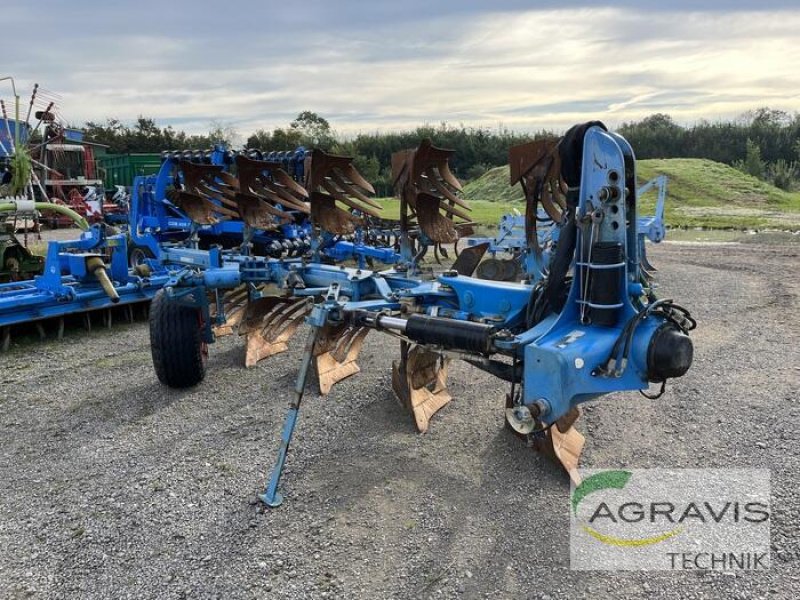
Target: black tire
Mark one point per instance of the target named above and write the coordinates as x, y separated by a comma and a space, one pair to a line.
176, 343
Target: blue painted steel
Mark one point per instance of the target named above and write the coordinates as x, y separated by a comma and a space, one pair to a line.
510, 240
342, 251
271, 497
66, 287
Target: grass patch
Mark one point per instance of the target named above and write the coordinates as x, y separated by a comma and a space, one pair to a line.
700, 193
483, 212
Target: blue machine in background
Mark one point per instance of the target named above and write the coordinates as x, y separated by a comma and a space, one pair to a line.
80, 276
154, 220
511, 261
589, 327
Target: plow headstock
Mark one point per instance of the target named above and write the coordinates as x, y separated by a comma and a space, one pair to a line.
339, 199
428, 193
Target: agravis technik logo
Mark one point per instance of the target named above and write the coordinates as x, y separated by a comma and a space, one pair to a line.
671, 519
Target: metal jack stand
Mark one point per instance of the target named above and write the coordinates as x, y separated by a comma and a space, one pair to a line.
317, 319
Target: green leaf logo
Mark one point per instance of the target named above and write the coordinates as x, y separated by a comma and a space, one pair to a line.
612, 480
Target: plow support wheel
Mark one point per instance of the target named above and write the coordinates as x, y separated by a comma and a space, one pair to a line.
419, 380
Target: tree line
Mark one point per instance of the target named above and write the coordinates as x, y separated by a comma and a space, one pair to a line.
763, 142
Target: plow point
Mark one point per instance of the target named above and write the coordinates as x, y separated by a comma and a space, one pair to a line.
564, 444
420, 384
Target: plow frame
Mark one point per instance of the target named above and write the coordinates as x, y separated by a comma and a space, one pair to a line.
570, 355
564, 357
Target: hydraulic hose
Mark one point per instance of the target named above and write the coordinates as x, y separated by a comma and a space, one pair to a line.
15, 205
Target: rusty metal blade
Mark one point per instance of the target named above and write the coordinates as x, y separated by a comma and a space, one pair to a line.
401, 167
259, 197
329, 217
269, 322
200, 210
442, 189
564, 444
444, 170
229, 180
286, 181
336, 352
427, 154
259, 214
420, 383
353, 175
536, 166
344, 199
428, 194
282, 195
551, 208
453, 211
337, 176
438, 228
524, 157
234, 305
469, 259
195, 174
347, 188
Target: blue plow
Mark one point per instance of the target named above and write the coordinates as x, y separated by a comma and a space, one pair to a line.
589, 326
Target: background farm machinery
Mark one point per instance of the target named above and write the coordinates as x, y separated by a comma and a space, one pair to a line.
590, 325
78, 277
512, 259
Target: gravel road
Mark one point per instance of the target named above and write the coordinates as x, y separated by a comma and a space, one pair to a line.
116, 487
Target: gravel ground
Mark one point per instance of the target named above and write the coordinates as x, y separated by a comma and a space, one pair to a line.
116, 487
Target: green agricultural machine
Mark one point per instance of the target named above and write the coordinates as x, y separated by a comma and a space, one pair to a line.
120, 169
16, 261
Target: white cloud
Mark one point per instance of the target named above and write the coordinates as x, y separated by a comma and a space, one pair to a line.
525, 70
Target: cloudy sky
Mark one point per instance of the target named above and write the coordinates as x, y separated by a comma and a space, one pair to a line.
374, 65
